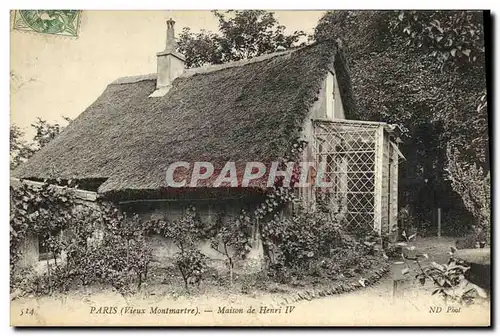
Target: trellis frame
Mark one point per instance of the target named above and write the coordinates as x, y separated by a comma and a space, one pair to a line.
361, 160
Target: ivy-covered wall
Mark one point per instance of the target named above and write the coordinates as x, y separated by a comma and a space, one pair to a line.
164, 249
29, 256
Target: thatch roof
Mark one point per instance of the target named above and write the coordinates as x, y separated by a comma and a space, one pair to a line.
242, 111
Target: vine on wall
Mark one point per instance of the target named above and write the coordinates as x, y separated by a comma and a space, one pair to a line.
41, 210
102, 245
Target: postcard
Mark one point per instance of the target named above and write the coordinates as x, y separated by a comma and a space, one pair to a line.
249, 168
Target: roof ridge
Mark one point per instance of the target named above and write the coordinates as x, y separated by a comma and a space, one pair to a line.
134, 79
232, 64
208, 68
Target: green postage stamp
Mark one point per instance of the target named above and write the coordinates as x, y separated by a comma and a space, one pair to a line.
56, 22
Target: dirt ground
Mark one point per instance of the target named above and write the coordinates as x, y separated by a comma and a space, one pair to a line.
380, 304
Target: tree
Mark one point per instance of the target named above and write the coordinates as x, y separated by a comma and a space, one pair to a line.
21, 150
46, 132
404, 70
242, 35
455, 39
451, 37
233, 240
185, 232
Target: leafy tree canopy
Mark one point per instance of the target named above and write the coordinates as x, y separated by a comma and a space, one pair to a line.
242, 35
21, 150
424, 70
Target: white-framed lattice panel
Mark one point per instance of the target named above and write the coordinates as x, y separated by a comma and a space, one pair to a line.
356, 156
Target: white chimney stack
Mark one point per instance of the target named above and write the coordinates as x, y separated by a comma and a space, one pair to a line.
170, 63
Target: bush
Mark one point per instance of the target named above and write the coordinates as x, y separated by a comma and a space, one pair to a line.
473, 184
310, 243
111, 250
185, 232
192, 265
103, 245
233, 240
302, 237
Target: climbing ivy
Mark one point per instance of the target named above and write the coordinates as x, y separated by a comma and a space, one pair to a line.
40, 210
280, 195
102, 244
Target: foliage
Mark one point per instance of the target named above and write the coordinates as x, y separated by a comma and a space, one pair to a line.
233, 240
100, 244
311, 243
242, 35
398, 76
447, 36
108, 247
38, 210
470, 182
45, 132
450, 283
185, 232
448, 279
304, 236
21, 150
279, 195
192, 265
122, 246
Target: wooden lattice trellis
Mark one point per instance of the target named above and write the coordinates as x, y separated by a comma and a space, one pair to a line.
361, 161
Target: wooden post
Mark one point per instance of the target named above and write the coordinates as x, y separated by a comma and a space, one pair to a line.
439, 222
393, 193
379, 164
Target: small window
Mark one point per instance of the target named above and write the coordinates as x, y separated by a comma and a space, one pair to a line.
44, 252
330, 96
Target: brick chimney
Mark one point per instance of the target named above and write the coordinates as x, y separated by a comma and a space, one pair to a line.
170, 63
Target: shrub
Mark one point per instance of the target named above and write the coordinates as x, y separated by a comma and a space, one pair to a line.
103, 245
311, 243
302, 237
232, 240
192, 265
185, 232
474, 187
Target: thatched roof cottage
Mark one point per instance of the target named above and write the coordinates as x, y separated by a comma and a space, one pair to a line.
121, 146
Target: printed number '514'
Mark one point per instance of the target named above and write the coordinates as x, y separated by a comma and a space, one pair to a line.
27, 311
